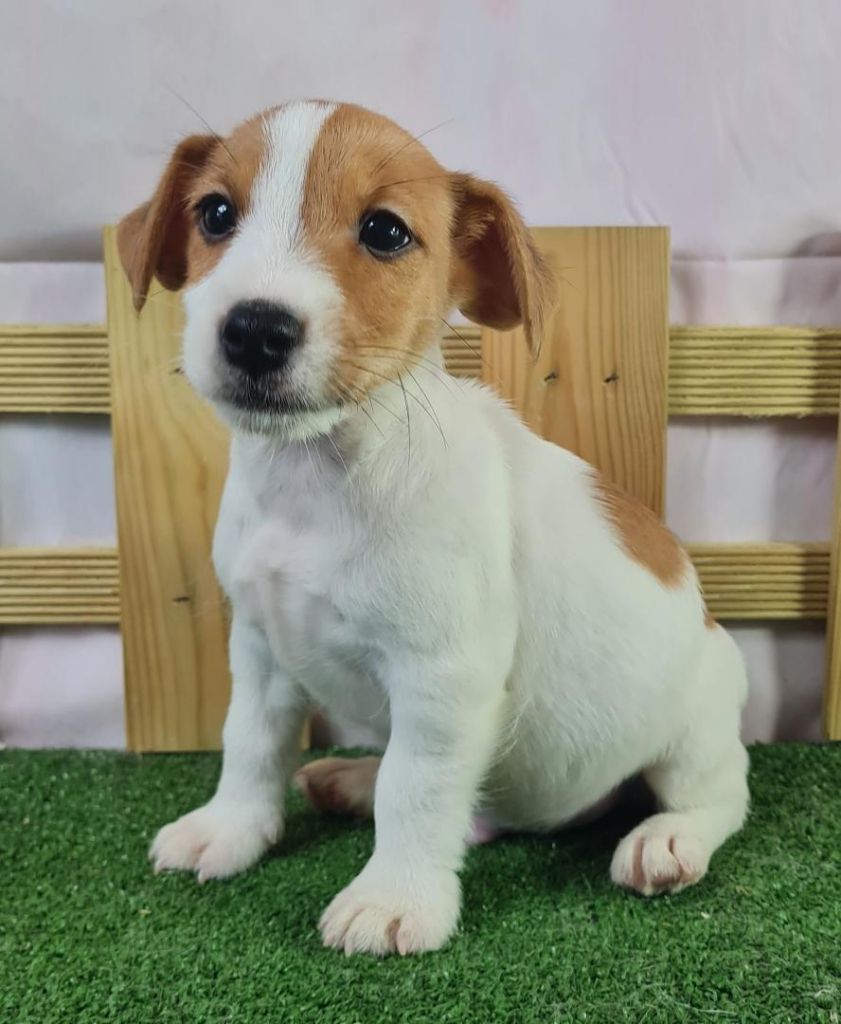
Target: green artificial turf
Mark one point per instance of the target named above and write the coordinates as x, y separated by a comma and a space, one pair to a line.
88, 934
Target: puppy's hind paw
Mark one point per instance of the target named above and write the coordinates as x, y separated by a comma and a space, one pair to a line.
659, 856
339, 785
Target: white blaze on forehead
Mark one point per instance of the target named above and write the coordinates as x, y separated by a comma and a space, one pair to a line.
278, 189
266, 260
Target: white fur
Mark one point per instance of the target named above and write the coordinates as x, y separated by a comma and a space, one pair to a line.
269, 259
436, 571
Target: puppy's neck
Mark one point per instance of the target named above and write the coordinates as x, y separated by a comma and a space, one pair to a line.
371, 443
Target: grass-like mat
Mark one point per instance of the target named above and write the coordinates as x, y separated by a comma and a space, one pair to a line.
88, 934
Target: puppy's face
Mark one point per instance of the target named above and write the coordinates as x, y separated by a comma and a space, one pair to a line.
318, 247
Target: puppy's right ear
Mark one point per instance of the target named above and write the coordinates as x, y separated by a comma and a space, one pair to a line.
499, 277
152, 240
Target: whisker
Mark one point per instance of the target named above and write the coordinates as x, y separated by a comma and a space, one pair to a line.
341, 458
408, 425
431, 411
473, 349
461, 337
440, 373
411, 142
420, 319
310, 459
444, 376
382, 405
391, 350
345, 391
406, 396
374, 423
150, 296
191, 108
411, 181
381, 376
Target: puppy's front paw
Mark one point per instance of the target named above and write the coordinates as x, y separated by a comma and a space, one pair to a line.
215, 841
382, 915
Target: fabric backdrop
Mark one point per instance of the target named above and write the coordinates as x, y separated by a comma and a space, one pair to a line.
714, 117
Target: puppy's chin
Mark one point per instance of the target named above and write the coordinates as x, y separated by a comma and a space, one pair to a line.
292, 424
262, 409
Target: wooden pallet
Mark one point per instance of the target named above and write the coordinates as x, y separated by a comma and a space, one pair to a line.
608, 376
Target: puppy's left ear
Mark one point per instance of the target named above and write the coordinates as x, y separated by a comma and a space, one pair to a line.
498, 277
152, 240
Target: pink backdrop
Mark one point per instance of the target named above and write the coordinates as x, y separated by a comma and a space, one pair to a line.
715, 118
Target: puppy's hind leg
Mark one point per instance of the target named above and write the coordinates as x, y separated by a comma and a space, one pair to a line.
345, 785
340, 785
701, 784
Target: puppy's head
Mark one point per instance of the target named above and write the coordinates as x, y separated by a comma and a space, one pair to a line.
318, 247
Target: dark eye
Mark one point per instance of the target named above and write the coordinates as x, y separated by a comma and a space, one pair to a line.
218, 216
383, 233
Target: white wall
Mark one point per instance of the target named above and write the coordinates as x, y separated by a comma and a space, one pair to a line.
712, 116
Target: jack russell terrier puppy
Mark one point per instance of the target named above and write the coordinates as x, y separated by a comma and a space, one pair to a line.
399, 549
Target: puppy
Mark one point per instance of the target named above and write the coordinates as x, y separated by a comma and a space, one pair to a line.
399, 549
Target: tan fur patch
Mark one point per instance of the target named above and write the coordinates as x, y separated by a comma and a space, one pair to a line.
231, 169
709, 621
152, 240
161, 237
499, 278
643, 536
362, 162
473, 247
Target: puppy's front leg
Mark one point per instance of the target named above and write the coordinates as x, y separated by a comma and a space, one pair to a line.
407, 897
261, 746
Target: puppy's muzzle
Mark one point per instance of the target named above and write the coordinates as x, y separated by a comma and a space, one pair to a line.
257, 337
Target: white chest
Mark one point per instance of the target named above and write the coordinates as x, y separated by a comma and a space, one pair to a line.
290, 584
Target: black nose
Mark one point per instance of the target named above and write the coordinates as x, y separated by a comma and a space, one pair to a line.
257, 336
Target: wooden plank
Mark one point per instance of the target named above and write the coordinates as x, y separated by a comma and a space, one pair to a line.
598, 386
63, 368
741, 581
170, 458
759, 371
832, 692
728, 371
58, 586
764, 581
48, 368
462, 348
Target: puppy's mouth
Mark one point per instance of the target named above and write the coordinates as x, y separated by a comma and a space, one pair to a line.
265, 397
270, 407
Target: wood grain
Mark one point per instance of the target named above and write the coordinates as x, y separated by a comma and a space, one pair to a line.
759, 371
462, 349
170, 459
741, 581
832, 692
764, 581
598, 386
728, 371
59, 586
48, 368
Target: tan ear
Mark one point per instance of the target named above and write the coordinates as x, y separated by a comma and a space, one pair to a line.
499, 278
152, 240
